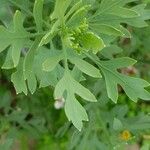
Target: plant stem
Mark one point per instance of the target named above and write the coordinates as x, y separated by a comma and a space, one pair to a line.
65, 54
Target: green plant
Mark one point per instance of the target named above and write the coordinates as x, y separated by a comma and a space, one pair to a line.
75, 25
62, 44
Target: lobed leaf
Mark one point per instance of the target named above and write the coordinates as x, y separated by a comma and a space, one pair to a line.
86, 67
18, 79
16, 39
133, 87
74, 111
50, 63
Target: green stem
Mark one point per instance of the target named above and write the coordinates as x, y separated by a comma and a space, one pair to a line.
65, 54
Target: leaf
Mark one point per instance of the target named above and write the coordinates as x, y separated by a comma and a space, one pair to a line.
117, 125
18, 79
139, 122
29, 74
144, 15
16, 39
74, 8
105, 29
37, 13
48, 37
133, 87
57, 15
123, 12
77, 74
60, 8
86, 67
45, 78
78, 17
50, 63
90, 41
74, 111
8, 64
112, 13
110, 51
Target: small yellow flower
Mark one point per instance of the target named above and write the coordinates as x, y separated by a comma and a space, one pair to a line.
125, 135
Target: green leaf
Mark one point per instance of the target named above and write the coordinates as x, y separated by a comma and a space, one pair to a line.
77, 74
105, 29
16, 38
90, 41
86, 67
60, 8
78, 17
45, 78
8, 64
73, 9
144, 15
77, 88
18, 79
123, 12
133, 87
138, 122
58, 14
112, 13
74, 111
29, 74
50, 63
117, 125
37, 13
47, 38
110, 51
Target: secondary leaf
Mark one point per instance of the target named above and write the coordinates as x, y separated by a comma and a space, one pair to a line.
60, 8
18, 79
37, 12
77, 17
74, 111
112, 13
90, 41
8, 63
86, 67
117, 124
105, 29
50, 63
46, 78
16, 38
110, 51
133, 87
29, 74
